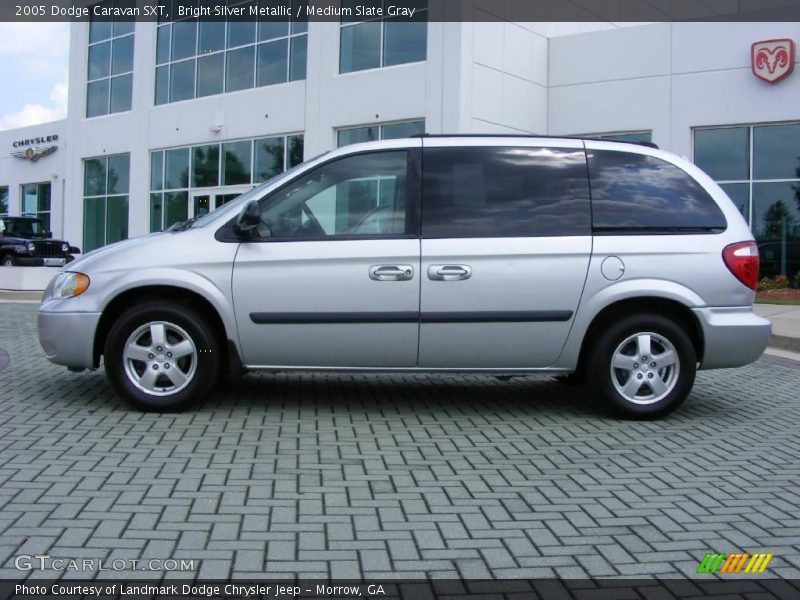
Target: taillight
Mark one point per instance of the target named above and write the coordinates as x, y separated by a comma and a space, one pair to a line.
742, 260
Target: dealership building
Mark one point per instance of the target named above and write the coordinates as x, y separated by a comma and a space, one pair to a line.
169, 120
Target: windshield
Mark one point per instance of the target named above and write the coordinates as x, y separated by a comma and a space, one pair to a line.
236, 205
22, 227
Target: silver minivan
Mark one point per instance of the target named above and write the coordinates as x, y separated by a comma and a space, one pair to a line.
617, 263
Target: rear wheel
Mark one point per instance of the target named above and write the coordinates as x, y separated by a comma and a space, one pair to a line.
8, 261
644, 366
161, 356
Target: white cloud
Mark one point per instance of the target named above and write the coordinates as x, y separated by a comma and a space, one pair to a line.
33, 114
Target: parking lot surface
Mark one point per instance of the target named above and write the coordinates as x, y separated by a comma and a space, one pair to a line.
344, 476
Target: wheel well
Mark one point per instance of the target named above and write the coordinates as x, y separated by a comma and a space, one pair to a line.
680, 313
162, 292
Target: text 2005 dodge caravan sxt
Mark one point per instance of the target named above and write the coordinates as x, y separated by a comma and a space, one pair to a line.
618, 262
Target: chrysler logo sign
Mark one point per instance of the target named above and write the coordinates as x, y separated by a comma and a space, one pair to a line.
29, 149
772, 60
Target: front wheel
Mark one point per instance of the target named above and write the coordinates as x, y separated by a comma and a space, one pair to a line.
162, 357
8, 261
644, 366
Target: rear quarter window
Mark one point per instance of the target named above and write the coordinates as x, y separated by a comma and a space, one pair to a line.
637, 193
496, 191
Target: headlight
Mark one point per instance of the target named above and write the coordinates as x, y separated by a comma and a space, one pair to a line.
69, 285
31, 247
64, 247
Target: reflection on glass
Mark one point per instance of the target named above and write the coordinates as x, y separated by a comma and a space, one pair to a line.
162, 44
121, 93
116, 219
212, 36
99, 60
724, 154
182, 84
210, 74
175, 207
295, 143
298, 62
162, 84
272, 62
240, 65
739, 193
360, 47
269, 158
118, 174
205, 166
236, 163
356, 135
94, 220
402, 130
776, 226
156, 213
122, 56
202, 205
184, 39
404, 41
94, 177
176, 172
776, 152
97, 98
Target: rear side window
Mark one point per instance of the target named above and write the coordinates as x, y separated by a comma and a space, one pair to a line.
504, 192
636, 193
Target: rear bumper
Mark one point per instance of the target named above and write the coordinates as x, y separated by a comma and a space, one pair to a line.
733, 336
68, 337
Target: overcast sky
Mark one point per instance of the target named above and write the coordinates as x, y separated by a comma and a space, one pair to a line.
33, 71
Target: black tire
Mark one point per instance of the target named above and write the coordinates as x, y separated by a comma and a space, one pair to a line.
652, 402
203, 365
8, 261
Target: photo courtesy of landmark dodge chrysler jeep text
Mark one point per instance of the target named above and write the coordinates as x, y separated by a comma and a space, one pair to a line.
620, 263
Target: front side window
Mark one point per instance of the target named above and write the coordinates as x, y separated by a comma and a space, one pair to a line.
109, 76
382, 41
197, 58
360, 195
637, 193
3, 200
36, 202
504, 192
105, 200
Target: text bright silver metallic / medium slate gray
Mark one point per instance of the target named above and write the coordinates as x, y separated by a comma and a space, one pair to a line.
613, 263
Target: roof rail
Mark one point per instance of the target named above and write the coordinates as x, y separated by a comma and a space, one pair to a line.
530, 135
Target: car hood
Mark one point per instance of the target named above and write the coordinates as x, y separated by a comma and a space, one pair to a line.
97, 257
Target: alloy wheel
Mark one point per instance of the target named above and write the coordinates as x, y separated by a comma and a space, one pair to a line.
160, 358
645, 368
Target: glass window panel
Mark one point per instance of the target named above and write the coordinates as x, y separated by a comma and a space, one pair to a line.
97, 98
268, 30
356, 135
182, 81
739, 193
505, 192
272, 67
634, 192
205, 166
202, 205
643, 136
210, 74
405, 41
295, 143
43, 197
124, 27
402, 130
776, 226
269, 159
212, 36
29, 198
3, 200
116, 219
157, 170
299, 25
240, 69
176, 207
99, 30
162, 44
236, 163
99, 60
94, 177
776, 152
156, 211
176, 168
299, 59
162, 84
94, 222
121, 91
360, 47
724, 154
122, 55
118, 174
184, 39
241, 31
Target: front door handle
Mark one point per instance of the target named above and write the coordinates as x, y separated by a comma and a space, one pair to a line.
449, 272
391, 272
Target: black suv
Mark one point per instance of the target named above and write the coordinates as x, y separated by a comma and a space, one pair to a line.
24, 242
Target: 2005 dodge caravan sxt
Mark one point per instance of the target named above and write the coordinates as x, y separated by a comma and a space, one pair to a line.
621, 263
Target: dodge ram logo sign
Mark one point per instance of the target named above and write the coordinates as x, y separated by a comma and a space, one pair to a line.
772, 60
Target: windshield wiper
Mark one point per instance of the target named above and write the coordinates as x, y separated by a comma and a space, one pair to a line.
182, 225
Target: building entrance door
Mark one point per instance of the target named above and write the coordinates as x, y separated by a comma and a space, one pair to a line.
206, 200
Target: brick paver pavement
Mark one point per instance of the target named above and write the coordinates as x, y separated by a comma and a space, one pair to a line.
385, 475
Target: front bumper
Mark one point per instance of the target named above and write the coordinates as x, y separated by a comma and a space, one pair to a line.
68, 337
35, 261
732, 336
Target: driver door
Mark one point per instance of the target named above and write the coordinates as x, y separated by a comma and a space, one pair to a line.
332, 278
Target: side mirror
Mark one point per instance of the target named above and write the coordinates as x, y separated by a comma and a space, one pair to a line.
74, 250
248, 221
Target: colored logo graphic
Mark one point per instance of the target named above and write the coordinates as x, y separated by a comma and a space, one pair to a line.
735, 562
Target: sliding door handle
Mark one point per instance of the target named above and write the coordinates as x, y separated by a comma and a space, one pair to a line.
449, 272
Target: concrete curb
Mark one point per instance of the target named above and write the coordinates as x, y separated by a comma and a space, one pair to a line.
17, 296
784, 342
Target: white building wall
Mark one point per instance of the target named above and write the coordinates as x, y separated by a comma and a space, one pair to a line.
668, 78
